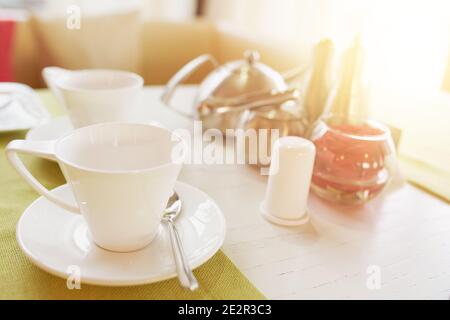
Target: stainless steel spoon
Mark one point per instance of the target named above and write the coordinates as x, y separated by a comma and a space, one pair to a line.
185, 275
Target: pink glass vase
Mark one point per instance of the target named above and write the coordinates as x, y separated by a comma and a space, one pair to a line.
353, 162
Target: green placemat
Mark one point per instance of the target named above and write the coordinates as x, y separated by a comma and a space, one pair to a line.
434, 180
20, 279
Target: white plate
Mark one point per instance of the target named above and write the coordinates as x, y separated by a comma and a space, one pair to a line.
58, 241
20, 108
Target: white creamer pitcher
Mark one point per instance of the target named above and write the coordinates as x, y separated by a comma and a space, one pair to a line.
95, 95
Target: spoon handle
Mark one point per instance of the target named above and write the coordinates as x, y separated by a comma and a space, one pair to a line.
185, 275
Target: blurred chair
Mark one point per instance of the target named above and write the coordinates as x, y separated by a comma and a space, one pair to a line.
107, 37
150, 39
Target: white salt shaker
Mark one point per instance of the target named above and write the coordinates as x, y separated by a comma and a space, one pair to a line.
290, 174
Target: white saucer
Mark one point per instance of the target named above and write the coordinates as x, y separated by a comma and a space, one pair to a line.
57, 127
51, 130
58, 241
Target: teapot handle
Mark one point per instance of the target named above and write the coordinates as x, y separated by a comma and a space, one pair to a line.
181, 75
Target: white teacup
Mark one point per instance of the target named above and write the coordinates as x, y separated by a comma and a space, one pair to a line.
121, 174
94, 96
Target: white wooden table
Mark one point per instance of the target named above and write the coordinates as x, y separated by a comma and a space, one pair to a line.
404, 238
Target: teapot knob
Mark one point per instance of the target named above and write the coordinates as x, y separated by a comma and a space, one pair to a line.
251, 56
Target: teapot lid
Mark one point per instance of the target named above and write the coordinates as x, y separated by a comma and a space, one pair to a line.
240, 78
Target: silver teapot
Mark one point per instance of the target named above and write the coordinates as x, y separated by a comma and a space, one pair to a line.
231, 89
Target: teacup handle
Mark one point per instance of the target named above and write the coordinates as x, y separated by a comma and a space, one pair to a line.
42, 149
